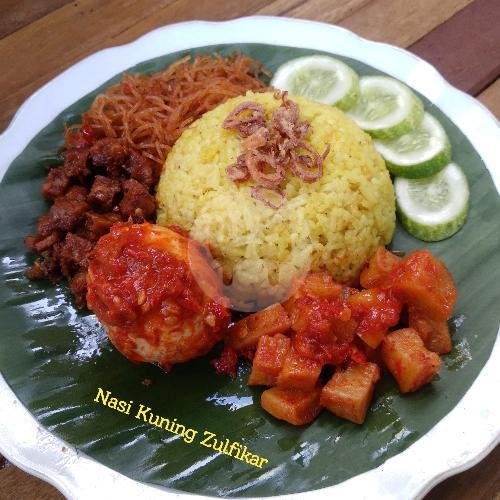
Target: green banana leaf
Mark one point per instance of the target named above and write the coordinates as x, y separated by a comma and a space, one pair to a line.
55, 357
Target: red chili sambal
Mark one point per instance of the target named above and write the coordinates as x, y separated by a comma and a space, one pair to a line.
327, 329
157, 296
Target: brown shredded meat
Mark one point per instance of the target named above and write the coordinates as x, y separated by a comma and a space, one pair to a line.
91, 191
113, 159
271, 149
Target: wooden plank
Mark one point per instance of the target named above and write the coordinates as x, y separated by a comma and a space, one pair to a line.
403, 22
476, 31
278, 7
182, 10
16, 484
482, 482
19, 13
490, 97
329, 12
81, 28
318, 10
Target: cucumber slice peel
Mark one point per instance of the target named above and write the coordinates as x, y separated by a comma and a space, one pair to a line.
434, 208
320, 78
420, 153
386, 108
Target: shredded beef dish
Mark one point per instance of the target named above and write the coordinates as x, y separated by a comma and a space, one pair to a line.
101, 182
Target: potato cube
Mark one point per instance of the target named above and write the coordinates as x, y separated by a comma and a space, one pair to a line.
424, 282
299, 320
440, 339
321, 285
349, 392
378, 268
246, 333
377, 311
434, 333
298, 372
344, 330
269, 359
293, 406
372, 338
409, 361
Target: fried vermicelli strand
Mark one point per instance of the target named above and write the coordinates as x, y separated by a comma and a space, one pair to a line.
150, 112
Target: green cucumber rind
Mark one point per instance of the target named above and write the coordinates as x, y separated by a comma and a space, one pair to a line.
344, 103
423, 169
351, 98
410, 123
436, 232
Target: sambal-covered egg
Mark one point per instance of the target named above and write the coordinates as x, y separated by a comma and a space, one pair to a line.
156, 294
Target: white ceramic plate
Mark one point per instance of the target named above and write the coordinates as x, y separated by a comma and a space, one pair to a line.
465, 436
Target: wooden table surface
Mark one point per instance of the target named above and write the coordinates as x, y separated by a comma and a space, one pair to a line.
461, 38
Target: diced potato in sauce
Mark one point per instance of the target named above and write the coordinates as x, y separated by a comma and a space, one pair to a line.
434, 333
298, 372
270, 321
409, 361
372, 338
378, 268
376, 310
293, 406
349, 392
424, 282
328, 324
321, 285
269, 359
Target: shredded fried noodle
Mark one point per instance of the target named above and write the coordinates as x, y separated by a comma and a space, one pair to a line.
150, 112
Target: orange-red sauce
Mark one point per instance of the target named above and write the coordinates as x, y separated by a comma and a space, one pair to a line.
132, 275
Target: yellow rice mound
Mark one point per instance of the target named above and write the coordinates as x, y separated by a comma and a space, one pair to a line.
333, 224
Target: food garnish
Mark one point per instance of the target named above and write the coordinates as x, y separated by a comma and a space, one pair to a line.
321, 78
386, 108
412, 142
436, 207
422, 152
272, 149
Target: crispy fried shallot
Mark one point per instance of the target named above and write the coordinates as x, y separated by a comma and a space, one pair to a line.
246, 118
272, 148
274, 198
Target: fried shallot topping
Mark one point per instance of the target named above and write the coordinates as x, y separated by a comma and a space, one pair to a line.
272, 148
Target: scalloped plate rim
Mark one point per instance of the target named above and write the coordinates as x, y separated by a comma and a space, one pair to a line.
37, 451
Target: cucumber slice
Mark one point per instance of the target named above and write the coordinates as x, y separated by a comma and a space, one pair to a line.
320, 78
420, 153
386, 108
434, 208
